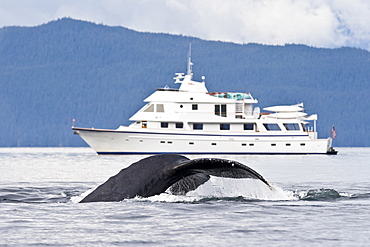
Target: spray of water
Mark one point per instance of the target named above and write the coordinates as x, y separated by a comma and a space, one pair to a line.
77, 199
227, 188
230, 188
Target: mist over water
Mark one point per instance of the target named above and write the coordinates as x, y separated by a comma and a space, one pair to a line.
321, 200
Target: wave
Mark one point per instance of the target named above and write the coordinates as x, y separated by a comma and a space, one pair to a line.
329, 195
39, 194
218, 190
278, 195
320, 195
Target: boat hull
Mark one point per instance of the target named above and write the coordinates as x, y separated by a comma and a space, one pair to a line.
141, 141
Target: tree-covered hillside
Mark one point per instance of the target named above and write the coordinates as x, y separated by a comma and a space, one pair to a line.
99, 75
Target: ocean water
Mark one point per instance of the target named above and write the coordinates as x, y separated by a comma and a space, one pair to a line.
317, 200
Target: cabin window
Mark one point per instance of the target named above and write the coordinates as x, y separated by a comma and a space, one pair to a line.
197, 126
287, 144
251, 144
224, 126
272, 127
223, 110
217, 110
220, 110
179, 125
213, 144
191, 143
164, 125
249, 126
291, 126
160, 108
244, 144
303, 144
194, 107
273, 144
150, 108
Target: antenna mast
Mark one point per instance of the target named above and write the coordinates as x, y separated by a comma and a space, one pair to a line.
189, 61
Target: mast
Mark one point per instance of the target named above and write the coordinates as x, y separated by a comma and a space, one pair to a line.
190, 64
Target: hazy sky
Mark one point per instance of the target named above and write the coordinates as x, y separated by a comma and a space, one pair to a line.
319, 23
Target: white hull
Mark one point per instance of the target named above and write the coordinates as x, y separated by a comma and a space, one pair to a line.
145, 142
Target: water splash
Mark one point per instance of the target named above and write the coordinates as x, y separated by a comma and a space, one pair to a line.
226, 189
247, 190
244, 190
166, 197
78, 198
251, 189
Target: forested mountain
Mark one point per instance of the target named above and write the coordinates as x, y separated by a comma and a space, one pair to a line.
99, 75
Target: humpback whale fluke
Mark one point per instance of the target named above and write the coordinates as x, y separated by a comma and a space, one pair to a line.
155, 174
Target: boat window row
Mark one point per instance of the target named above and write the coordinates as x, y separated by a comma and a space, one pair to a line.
227, 126
276, 127
200, 126
302, 144
178, 125
288, 126
242, 144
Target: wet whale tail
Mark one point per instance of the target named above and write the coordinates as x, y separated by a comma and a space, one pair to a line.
168, 172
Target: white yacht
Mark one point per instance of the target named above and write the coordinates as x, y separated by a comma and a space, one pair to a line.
191, 120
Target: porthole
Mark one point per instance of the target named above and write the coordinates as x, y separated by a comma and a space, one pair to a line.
273, 144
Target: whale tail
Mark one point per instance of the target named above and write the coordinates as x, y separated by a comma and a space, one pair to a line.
155, 174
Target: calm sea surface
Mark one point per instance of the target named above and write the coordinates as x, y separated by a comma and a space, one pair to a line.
317, 200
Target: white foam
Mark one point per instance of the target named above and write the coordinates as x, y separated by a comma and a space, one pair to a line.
217, 187
77, 199
247, 188
165, 197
